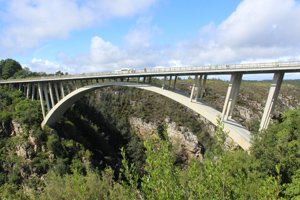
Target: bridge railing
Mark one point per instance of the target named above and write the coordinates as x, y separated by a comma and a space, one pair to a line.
229, 67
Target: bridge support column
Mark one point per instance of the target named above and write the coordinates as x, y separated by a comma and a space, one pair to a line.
41, 99
203, 86
56, 92
62, 90
235, 94
28, 91
20, 86
174, 84
97, 80
68, 88
271, 101
75, 85
51, 95
45, 89
199, 86
32, 92
164, 83
170, 82
193, 87
150, 79
231, 96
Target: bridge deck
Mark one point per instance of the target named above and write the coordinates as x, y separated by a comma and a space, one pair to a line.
250, 68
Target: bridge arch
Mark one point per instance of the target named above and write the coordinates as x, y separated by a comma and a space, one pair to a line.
237, 132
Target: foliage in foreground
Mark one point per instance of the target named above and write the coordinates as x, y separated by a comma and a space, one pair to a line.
224, 175
271, 171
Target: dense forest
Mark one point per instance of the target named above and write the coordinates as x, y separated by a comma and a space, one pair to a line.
95, 153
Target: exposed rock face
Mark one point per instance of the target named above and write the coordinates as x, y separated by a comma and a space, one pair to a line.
16, 128
32, 141
185, 140
21, 151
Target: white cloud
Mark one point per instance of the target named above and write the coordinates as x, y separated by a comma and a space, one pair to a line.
137, 52
262, 23
256, 30
28, 23
44, 65
119, 8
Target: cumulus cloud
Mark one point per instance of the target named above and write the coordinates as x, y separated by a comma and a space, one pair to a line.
44, 65
256, 30
28, 23
139, 51
105, 56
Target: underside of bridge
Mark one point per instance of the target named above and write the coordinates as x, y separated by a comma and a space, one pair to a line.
238, 133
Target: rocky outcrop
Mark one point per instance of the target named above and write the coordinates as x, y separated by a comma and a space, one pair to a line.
186, 141
21, 151
32, 141
16, 128
180, 136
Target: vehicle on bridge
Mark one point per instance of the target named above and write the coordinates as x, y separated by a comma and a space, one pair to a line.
125, 70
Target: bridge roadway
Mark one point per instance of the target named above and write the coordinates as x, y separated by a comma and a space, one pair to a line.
249, 68
235, 131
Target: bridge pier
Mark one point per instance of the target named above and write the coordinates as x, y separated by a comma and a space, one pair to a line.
170, 82
51, 95
45, 89
271, 100
164, 83
231, 96
193, 87
68, 88
28, 91
199, 87
174, 84
56, 92
41, 99
75, 84
203, 86
32, 92
62, 90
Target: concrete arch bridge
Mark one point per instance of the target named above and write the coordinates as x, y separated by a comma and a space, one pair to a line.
57, 94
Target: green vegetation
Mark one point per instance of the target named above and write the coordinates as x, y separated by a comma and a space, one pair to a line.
11, 69
225, 175
94, 153
8, 68
68, 163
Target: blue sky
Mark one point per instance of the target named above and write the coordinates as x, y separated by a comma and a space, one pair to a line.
103, 35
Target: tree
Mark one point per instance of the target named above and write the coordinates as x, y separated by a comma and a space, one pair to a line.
9, 68
1, 66
22, 73
280, 145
